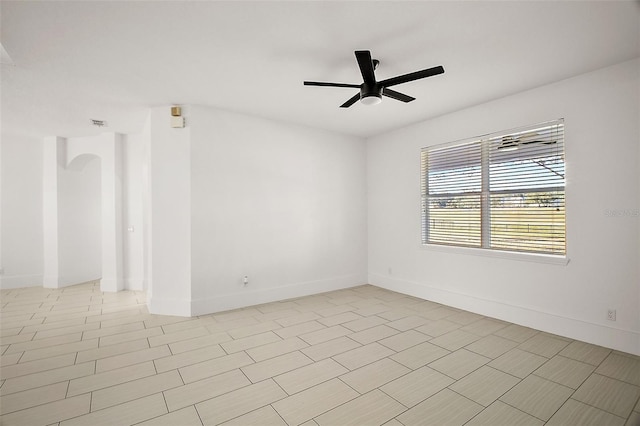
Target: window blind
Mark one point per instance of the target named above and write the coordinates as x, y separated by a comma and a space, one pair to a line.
504, 191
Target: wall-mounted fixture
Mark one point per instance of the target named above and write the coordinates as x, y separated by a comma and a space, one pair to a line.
99, 123
177, 120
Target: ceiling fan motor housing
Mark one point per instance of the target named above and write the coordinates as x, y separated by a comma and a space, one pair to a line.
371, 91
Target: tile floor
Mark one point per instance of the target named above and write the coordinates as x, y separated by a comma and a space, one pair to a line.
363, 356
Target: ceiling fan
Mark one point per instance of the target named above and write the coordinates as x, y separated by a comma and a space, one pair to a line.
372, 91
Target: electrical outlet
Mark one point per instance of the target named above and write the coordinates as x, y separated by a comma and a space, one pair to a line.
245, 280
611, 314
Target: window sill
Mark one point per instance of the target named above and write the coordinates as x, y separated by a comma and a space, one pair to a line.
525, 257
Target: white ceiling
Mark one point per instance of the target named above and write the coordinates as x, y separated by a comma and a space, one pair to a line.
76, 61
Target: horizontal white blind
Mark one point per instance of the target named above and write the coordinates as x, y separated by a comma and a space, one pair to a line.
512, 198
452, 190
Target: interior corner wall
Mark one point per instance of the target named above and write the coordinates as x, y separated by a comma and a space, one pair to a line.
21, 227
79, 222
132, 212
602, 144
283, 205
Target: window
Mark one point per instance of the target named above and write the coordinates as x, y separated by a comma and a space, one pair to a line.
504, 191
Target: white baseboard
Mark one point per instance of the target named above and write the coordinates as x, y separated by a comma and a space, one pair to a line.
610, 337
20, 281
174, 307
134, 284
250, 297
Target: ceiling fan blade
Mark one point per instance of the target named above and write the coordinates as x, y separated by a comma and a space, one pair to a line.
397, 95
319, 83
366, 66
412, 76
351, 101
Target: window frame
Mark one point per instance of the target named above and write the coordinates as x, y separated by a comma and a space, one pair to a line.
484, 248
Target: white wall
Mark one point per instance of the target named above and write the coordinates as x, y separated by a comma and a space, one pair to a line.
21, 219
168, 195
601, 111
132, 214
282, 204
79, 221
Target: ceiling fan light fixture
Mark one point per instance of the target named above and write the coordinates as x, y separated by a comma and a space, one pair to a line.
371, 100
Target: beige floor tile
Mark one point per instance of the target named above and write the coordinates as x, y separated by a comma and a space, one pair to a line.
48, 377
608, 394
119, 361
485, 385
43, 343
325, 334
299, 329
367, 310
404, 340
491, 346
465, 318
4, 332
250, 330
45, 334
517, 333
265, 416
543, 345
373, 408
236, 403
50, 413
622, 368
339, 318
53, 351
312, 402
501, 414
310, 375
439, 313
199, 342
634, 419
129, 336
109, 331
408, 323
334, 311
419, 355
189, 323
455, 340
110, 378
215, 327
96, 352
10, 359
374, 375
236, 314
518, 363
459, 363
417, 386
298, 319
585, 352
444, 408
538, 397
165, 339
17, 338
271, 350
24, 368
373, 334
124, 414
205, 389
363, 355
565, 371
364, 323
163, 320
185, 417
245, 343
275, 366
215, 366
330, 348
135, 389
576, 413
484, 327
32, 397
